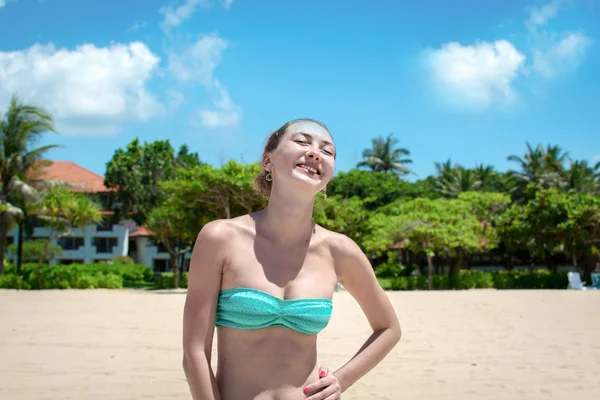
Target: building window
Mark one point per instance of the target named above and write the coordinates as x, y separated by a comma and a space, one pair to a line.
71, 243
34, 222
105, 226
69, 261
104, 245
161, 265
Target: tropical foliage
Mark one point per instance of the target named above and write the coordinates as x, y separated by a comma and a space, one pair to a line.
20, 129
544, 210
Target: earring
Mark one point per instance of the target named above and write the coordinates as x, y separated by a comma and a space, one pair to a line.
268, 177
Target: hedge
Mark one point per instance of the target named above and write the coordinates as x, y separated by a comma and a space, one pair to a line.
166, 280
76, 276
114, 276
468, 279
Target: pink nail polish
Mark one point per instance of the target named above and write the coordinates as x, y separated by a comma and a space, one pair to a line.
323, 374
306, 389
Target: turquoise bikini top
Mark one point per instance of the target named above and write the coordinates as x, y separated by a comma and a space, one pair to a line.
247, 308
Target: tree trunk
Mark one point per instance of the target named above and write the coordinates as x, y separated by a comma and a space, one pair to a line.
457, 262
589, 263
429, 272
551, 263
20, 247
175, 271
3, 234
575, 265
509, 263
42, 256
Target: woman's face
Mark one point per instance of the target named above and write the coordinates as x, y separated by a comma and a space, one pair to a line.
305, 156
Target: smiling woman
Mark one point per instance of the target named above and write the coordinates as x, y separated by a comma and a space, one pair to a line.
266, 281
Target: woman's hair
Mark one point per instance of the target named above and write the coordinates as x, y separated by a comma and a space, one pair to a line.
261, 185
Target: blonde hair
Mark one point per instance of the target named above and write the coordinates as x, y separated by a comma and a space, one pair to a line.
260, 183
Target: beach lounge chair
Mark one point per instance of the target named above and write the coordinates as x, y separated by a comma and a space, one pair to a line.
596, 280
575, 282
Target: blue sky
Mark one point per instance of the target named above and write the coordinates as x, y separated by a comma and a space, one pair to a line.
468, 80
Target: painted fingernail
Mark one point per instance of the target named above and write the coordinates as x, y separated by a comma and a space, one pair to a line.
306, 389
323, 373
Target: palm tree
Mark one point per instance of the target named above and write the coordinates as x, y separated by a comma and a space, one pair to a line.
581, 177
21, 127
453, 180
384, 157
540, 166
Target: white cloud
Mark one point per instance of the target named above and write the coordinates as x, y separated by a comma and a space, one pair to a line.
596, 158
198, 61
2, 3
227, 4
554, 54
175, 16
561, 56
175, 99
88, 89
475, 76
539, 16
136, 26
227, 113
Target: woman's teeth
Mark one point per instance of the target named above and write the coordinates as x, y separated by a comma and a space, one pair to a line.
309, 169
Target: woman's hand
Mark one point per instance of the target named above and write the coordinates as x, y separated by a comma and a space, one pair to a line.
328, 387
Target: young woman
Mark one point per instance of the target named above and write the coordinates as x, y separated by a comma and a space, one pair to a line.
266, 281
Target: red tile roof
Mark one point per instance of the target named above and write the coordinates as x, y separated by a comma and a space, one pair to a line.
141, 231
86, 180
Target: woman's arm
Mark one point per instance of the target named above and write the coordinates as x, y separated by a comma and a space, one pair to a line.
204, 283
356, 274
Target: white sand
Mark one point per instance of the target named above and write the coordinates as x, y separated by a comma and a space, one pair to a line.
102, 344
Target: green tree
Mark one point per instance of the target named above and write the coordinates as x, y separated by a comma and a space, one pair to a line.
383, 156
210, 193
580, 177
346, 216
434, 227
375, 189
61, 210
171, 225
453, 180
34, 249
20, 129
552, 222
540, 166
136, 172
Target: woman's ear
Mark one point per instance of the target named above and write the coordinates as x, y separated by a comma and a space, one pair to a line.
266, 162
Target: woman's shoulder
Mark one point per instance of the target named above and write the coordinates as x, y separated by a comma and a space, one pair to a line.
339, 244
224, 230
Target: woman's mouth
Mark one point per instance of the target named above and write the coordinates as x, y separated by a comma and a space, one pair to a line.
309, 169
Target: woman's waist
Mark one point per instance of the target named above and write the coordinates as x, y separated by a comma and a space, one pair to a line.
264, 379
272, 360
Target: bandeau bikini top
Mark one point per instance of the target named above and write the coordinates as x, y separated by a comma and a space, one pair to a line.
247, 308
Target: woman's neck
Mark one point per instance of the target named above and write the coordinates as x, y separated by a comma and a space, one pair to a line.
287, 219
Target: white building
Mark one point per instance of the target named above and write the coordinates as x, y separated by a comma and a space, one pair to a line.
101, 242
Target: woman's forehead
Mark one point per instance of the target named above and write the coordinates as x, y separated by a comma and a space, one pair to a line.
310, 128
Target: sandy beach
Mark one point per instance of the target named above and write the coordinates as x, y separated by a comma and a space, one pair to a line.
464, 345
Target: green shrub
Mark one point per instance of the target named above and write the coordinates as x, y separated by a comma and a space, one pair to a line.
80, 276
166, 280
389, 270
123, 260
109, 281
470, 279
183, 280
13, 281
33, 249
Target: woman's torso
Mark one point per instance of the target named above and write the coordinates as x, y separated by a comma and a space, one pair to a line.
274, 362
